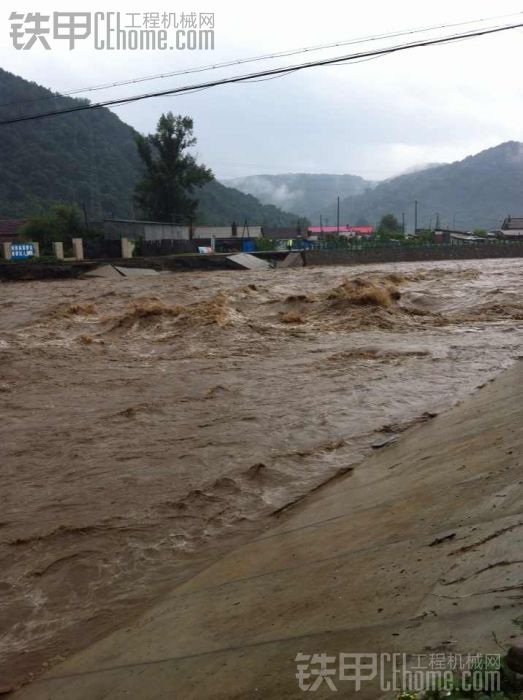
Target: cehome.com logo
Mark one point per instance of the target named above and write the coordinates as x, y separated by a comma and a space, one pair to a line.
114, 31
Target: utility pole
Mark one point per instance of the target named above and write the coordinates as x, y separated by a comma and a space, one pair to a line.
321, 223
338, 217
437, 221
415, 216
403, 222
86, 219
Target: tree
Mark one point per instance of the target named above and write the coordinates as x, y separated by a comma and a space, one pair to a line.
60, 222
170, 173
425, 235
389, 227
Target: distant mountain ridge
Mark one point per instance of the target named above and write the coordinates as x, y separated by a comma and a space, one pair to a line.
90, 158
476, 192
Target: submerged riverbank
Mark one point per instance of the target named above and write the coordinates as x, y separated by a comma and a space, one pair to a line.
412, 560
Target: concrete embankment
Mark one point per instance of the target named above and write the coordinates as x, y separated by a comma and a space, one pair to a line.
41, 270
417, 550
414, 253
20, 271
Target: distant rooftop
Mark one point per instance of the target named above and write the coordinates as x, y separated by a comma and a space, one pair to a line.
512, 222
466, 236
364, 230
9, 227
138, 221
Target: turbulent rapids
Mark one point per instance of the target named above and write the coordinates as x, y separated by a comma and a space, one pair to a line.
150, 424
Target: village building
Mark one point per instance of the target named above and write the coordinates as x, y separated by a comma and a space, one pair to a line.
511, 228
10, 229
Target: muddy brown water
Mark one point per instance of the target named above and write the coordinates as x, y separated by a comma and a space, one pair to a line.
148, 425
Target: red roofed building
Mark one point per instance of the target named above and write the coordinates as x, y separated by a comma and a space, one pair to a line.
10, 228
344, 230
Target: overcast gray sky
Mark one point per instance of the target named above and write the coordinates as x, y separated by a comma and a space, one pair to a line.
373, 119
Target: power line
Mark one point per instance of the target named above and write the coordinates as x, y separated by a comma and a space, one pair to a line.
266, 73
263, 57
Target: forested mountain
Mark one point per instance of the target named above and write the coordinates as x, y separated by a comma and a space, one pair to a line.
477, 192
89, 158
305, 194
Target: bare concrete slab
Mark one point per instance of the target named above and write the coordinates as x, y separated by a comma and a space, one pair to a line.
119, 271
291, 260
136, 271
416, 551
105, 271
249, 262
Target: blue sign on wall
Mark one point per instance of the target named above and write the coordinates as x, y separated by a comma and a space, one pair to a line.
22, 251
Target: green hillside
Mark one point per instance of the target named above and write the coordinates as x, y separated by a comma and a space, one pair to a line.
90, 159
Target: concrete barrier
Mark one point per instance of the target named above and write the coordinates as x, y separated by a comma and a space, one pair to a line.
78, 249
6, 251
127, 248
58, 250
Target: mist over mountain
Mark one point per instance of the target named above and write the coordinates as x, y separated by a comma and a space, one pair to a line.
416, 169
302, 193
90, 158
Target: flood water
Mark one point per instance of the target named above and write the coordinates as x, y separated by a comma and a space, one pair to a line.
148, 425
